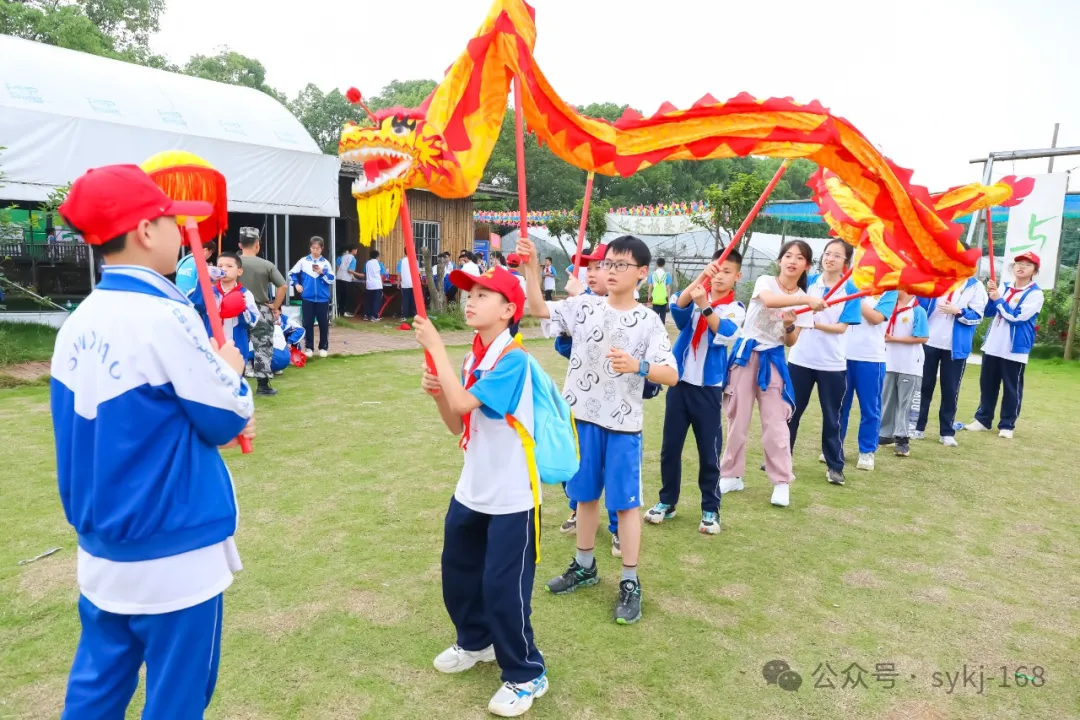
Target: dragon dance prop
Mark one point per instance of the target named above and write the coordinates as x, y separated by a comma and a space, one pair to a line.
444, 145
185, 176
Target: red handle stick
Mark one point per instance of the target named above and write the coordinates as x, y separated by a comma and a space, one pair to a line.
990, 241
754, 211
584, 221
203, 274
839, 284
523, 205
837, 301
414, 270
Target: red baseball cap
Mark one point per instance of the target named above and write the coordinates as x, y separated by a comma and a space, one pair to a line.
497, 279
513, 259
112, 200
597, 254
1029, 257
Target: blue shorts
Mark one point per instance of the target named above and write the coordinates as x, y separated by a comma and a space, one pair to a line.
610, 465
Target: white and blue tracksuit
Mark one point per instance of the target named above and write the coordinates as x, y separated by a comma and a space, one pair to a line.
315, 297
286, 334
696, 401
1006, 349
866, 372
951, 339
238, 328
140, 404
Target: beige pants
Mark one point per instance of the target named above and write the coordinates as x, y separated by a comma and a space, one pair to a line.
741, 393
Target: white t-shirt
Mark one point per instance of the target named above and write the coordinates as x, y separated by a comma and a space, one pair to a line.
373, 275
596, 393
495, 477
998, 342
471, 268
404, 273
549, 278
866, 342
694, 363
941, 325
155, 587
906, 358
347, 263
820, 350
766, 325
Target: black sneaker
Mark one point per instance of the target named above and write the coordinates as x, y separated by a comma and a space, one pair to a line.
886, 441
903, 447
265, 389
628, 609
836, 477
574, 577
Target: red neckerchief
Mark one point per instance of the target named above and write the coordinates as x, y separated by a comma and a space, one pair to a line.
702, 323
895, 313
1008, 298
478, 352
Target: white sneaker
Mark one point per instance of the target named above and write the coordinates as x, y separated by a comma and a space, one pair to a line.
1007, 434
309, 353
730, 485
455, 659
918, 435
949, 441
975, 426
866, 461
821, 458
781, 494
513, 699
249, 373
322, 353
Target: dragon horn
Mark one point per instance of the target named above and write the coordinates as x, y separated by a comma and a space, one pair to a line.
353, 95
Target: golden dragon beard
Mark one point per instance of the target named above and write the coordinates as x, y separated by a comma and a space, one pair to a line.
400, 152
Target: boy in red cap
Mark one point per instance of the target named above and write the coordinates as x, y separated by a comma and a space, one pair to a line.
489, 546
1008, 345
141, 401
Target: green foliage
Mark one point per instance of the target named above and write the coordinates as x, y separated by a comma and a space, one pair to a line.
1054, 319
730, 206
450, 319
119, 29
324, 115
232, 68
55, 199
402, 93
25, 342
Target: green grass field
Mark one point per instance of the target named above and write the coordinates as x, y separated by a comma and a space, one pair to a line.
25, 342
948, 558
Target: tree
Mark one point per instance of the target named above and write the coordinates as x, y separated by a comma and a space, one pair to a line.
232, 68
324, 115
402, 93
730, 206
118, 29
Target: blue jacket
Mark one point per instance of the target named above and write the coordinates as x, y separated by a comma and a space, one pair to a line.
768, 359
972, 299
317, 288
237, 328
716, 357
140, 404
1021, 331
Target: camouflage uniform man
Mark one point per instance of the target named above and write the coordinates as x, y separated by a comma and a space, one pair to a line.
259, 275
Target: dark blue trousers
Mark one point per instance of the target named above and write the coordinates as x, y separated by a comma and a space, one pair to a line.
866, 379
700, 408
488, 567
831, 387
1007, 375
312, 312
952, 373
181, 650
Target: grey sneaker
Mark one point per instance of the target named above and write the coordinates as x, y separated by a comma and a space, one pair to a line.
570, 526
659, 512
710, 523
616, 548
628, 608
574, 577
836, 477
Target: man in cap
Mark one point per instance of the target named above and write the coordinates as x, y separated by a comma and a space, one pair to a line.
259, 276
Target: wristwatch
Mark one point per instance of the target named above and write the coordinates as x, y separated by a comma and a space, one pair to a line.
707, 312
643, 368
789, 329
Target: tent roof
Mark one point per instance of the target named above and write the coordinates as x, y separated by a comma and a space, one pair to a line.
62, 112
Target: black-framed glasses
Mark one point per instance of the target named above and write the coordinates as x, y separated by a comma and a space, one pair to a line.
617, 265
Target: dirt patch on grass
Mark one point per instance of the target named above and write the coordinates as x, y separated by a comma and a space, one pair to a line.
56, 572
376, 608
694, 609
276, 624
931, 596
41, 699
737, 591
861, 579
692, 560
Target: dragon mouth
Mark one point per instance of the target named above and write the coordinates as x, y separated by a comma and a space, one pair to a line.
378, 166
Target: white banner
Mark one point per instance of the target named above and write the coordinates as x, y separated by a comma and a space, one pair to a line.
1035, 226
658, 225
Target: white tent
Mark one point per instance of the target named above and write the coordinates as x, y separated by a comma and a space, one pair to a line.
62, 112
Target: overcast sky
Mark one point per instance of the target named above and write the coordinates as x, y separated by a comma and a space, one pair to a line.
933, 82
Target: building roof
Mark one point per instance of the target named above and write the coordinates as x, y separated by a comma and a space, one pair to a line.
63, 112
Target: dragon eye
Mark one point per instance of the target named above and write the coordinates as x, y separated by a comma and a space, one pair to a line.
403, 126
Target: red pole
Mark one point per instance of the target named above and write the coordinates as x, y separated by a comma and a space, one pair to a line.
203, 274
414, 270
837, 301
584, 221
754, 210
839, 284
519, 122
990, 241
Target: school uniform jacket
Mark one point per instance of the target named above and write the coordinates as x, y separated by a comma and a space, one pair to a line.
715, 345
972, 300
236, 328
1020, 313
317, 288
